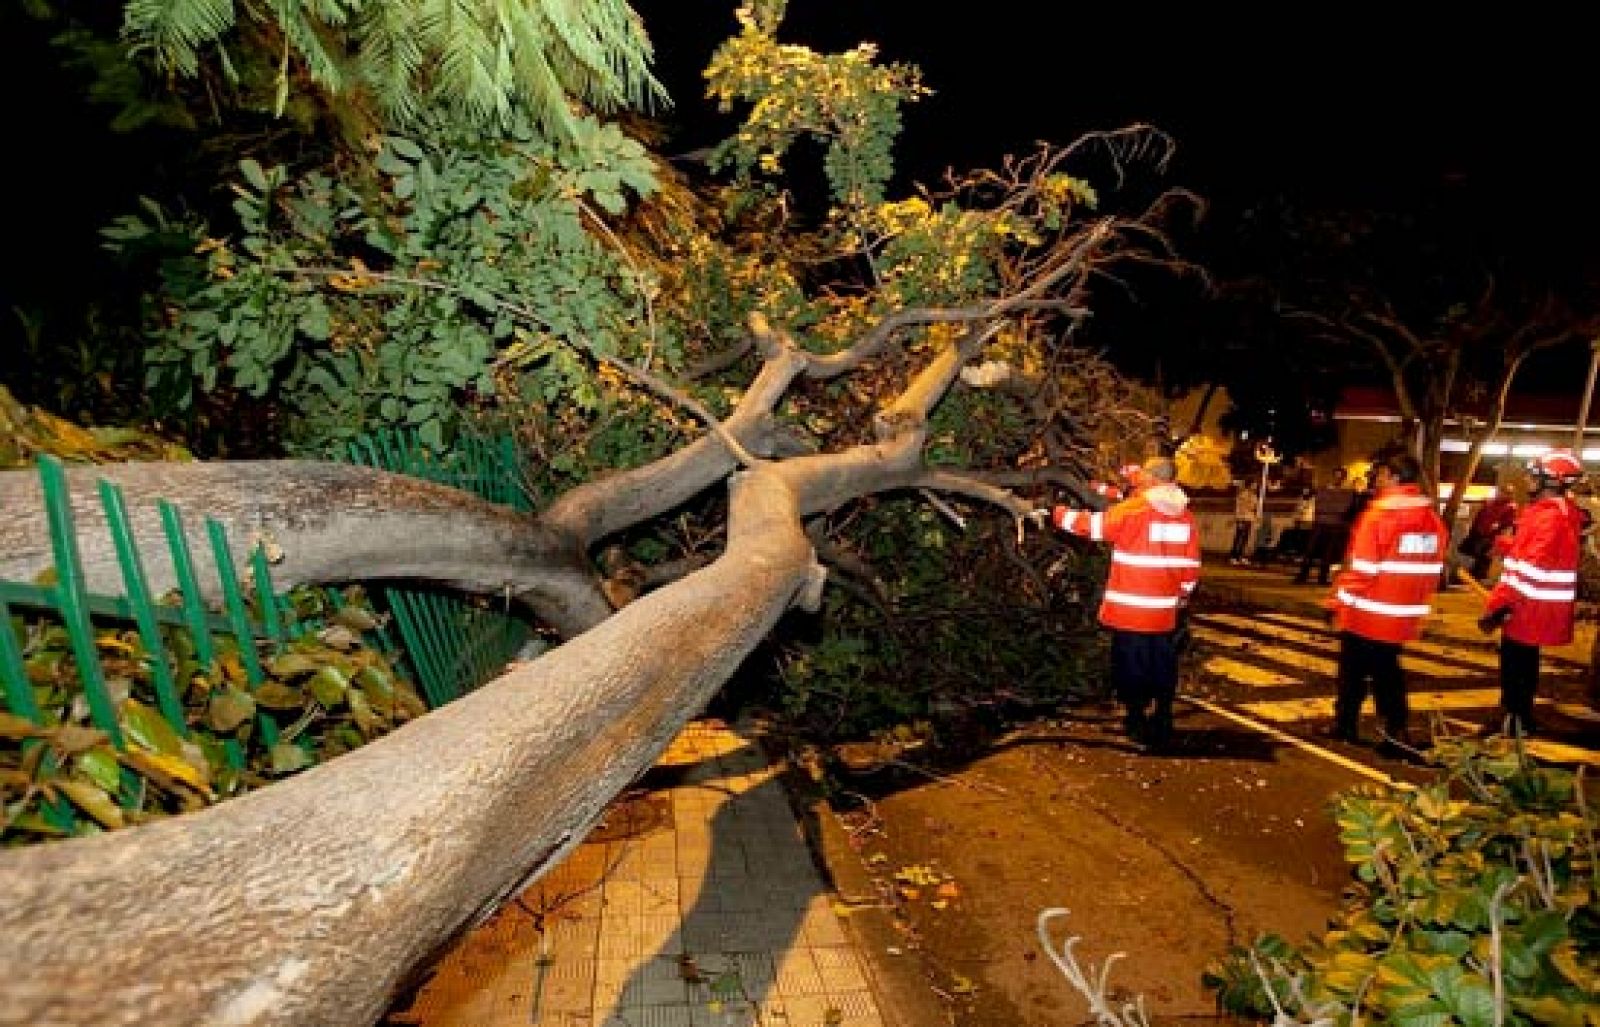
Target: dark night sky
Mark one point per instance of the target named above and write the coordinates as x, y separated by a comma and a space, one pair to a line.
1327, 103
1323, 102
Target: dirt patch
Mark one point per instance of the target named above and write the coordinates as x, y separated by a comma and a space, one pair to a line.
1168, 860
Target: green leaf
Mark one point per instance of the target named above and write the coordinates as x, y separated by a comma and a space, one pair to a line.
287, 757
100, 766
150, 729
328, 686
1472, 1002
404, 147
314, 320
254, 175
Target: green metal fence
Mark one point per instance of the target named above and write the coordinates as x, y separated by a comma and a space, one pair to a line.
452, 644
200, 630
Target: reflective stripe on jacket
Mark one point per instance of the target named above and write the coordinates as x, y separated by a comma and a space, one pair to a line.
1155, 556
1392, 567
1539, 575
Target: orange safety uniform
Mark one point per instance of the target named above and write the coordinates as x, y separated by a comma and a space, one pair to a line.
1155, 556
1392, 567
1539, 574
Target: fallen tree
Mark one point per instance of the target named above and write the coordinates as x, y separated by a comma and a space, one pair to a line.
311, 901
315, 899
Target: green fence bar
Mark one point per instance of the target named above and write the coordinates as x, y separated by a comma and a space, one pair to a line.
411, 617
144, 613
14, 673
261, 574
239, 618
74, 598
233, 600
450, 645
194, 610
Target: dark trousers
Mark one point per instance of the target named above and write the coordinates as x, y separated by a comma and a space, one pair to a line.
1144, 673
1519, 678
1364, 662
1324, 548
1241, 540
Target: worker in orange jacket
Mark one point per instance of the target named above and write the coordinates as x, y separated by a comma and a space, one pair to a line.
1534, 602
1385, 588
1155, 566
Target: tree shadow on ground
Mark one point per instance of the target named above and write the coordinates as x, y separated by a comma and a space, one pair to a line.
754, 925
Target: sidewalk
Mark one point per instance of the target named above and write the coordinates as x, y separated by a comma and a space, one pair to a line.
695, 902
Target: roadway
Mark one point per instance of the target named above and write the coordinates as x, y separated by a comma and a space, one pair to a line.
1265, 657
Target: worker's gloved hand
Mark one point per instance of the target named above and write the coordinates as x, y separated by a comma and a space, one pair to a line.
1489, 623
1039, 517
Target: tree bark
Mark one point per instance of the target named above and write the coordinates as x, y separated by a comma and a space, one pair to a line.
325, 522
309, 902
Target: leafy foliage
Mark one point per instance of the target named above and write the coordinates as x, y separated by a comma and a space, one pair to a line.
1473, 903
332, 692
478, 61
846, 102
960, 655
472, 269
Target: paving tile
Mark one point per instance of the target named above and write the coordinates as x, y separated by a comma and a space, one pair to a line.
640, 929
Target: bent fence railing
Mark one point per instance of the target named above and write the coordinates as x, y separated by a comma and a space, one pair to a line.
202, 636
453, 643
450, 644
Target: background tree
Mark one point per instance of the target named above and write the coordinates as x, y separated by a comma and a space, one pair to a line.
1442, 306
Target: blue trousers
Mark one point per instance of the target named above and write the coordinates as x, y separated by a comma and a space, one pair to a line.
1144, 673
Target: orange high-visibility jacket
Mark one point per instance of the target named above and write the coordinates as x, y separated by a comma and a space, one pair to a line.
1155, 556
1539, 575
1392, 567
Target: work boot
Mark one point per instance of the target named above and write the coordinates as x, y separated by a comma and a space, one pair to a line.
1158, 731
1337, 732
1135, 725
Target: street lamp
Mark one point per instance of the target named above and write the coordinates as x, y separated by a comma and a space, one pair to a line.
1267, 456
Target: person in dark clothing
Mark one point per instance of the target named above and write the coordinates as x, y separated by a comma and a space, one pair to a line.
1534, 603
1333, 515
1245, 515
1382, 595
1495, 518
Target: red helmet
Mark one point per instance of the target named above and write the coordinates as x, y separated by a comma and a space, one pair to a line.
1558, 466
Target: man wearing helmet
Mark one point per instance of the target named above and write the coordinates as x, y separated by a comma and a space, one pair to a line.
1155, 566
1535, 599
1382, 593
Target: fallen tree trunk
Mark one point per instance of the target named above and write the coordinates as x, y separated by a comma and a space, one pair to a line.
309, 902
323, 522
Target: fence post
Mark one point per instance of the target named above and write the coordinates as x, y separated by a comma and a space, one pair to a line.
73, 597
144, 614
13, 672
